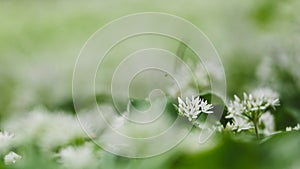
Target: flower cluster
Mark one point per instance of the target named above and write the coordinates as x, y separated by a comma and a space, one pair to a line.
78, 157
267, 124
6, 140
11, 158
191, 77
246, 112
297, 127
51, 130
193, 107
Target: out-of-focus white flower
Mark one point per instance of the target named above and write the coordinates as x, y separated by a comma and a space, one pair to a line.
5, 140
81, 157
61, 129
267, 119
183, 77
28, 126
282, 62
117, 137
189, 80
297, 127
49, 130
265, 97
5, 136
288, 128
218, 127
201, 75
243, 112
11, 158
193, 107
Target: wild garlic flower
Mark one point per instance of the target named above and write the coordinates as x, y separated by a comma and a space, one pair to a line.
5, 140
246, 112
265, 97
268, 123
82, 157
190, 78
240, 122
193, 107
11, 158
5, 136
49, 130
297, 127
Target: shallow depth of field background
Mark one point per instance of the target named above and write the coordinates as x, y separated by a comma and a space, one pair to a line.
258, 42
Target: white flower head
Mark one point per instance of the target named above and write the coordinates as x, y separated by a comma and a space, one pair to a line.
189, 78
289, 128
266, 97
296, 128
267, 119
5, 140
49, 130
258, 102
81, 157
193, 107
11, 158
240, 122
61, 129
5, 136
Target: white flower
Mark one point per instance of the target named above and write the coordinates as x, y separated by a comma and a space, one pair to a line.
189, 79
29, 125
267, 119
240, 122
297, 127
243, 111
193, 107
5, 136
266, 97
235, 109
78, 157
258, 100
61, 129
49, 130
288, 128
11, 158
5, 140
229, 126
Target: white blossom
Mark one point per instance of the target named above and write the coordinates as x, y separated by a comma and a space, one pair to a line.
11, 158
297, 127
193, 107
189, 79
289, 128
81, 157
267, 119
265, 97
240, 122
48, 129
243, 111
61, 129
5, 140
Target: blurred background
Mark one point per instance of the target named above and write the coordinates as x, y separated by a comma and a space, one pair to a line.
258, 42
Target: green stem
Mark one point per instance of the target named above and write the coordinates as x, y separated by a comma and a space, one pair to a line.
256, 130
255, 122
